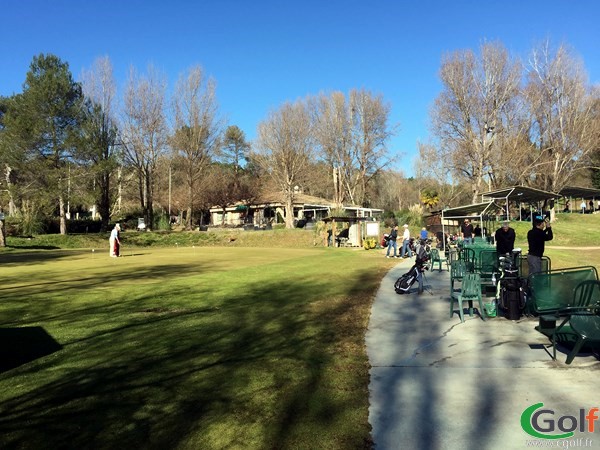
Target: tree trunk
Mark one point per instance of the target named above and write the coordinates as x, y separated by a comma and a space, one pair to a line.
189, 223
61, 211
2, 232
289, 212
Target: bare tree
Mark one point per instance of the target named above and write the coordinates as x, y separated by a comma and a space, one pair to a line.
285, 148
197, 130
333, 132
100, 130
144, 132
471, 111
565, 126
436, 173
371, 133
353, 135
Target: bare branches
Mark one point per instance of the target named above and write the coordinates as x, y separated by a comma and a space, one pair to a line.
285, 145
144, 131
197, 130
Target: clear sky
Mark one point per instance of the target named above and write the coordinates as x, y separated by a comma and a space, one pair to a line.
263, 53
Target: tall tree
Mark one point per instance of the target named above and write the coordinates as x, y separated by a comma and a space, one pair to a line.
197, 131
565, 125
43, 124
285, 148
100, 132
235, 151
371, 134
333, 132
469, 113
144, 132
353, 134
235, 148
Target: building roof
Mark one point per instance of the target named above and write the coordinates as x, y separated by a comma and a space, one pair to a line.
308, 202
522, 194
580, 192
475, 210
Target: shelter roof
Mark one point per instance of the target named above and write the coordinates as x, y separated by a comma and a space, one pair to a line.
520, 194
350, 219
581, 192
474, 210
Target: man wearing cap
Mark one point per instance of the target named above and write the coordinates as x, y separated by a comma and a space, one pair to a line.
505, 239
406, 251
536, 237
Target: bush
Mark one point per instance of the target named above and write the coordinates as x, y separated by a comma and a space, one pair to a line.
369, 243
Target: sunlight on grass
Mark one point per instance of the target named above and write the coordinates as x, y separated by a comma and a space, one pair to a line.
196, 348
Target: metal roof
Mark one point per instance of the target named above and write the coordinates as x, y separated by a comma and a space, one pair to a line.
475, 210
580, 192
520, 194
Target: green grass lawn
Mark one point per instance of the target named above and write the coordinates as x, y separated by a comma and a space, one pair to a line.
229, 339
186, 348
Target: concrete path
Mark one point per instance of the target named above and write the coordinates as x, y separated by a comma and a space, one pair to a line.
437, 383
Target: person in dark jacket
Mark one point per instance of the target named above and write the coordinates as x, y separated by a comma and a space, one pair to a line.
537, 237
466, 230
392, 241
505, 239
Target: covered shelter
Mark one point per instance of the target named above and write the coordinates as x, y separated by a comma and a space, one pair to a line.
484, 212
583, 193
519, 195
351, 236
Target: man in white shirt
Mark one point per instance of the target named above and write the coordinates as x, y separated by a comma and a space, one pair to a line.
406, 251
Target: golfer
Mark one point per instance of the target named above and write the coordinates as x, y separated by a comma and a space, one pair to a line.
114, 242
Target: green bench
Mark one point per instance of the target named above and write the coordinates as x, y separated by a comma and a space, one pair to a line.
571, 296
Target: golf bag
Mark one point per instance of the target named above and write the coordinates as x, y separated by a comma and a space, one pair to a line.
385, 240
511, 293
404, 283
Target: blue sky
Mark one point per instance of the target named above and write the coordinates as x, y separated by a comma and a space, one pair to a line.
264, 53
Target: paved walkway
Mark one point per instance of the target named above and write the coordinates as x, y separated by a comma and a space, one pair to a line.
437, 383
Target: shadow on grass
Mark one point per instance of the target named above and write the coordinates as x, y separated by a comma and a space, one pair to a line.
34, 257
261, 370
19, 346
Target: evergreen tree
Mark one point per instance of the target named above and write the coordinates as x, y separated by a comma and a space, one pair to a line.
43, 122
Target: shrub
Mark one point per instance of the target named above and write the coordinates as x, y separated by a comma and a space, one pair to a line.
369, 243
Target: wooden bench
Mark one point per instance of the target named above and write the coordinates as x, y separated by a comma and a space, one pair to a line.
557, 295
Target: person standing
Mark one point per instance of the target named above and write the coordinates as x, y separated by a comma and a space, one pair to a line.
392, 242
582, 206
536, 238
424, 234
114, 242
505, 239
466, 231
406, 251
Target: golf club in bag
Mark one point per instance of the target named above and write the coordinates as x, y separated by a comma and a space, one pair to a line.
510, 293
404, 283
